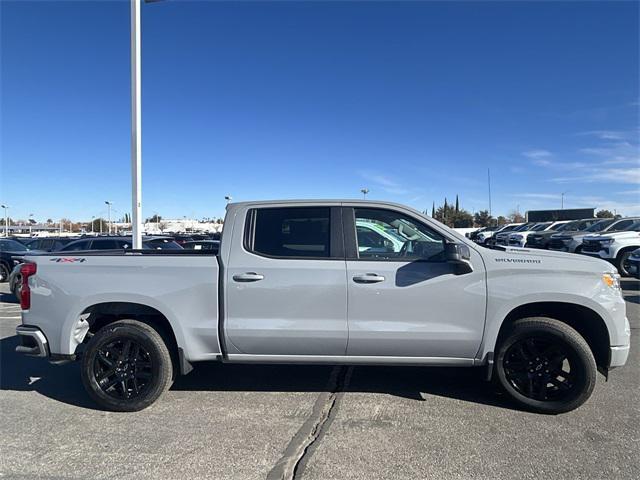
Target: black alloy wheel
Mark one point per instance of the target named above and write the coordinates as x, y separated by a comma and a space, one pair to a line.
545, 365
126, 366
122, 369
541, 368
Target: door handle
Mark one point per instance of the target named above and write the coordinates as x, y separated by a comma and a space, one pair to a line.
248, 277
368, 278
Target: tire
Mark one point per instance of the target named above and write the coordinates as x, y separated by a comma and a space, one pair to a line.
126, 366
4, 272
622, 259
545, 387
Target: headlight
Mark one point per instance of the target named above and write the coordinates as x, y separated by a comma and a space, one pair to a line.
517, 237
607, 242
611, 280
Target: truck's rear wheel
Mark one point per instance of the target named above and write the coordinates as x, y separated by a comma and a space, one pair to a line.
126, 366
545, 365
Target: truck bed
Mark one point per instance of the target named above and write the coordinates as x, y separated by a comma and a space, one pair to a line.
180, 285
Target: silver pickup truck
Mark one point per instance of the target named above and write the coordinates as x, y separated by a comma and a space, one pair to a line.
336, 282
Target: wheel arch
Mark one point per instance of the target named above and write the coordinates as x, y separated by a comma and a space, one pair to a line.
584, 320
102, 314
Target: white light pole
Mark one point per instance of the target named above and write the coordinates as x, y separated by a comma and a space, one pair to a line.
6, 220
228, 198
93, 219
109, 214
364, 192
30, 222
136, 129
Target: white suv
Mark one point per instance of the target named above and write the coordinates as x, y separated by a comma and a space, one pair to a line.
615, 247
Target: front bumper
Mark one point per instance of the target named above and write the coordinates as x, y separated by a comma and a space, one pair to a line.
604, 253
32, 342
618, 356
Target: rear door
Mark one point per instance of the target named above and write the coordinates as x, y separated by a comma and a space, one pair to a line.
286, 289
404, 299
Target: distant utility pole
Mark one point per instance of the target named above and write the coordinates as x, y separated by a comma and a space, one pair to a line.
364, 192
6, 220
109, 214
489, 183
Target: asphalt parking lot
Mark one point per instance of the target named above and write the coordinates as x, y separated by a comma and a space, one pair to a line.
257, 422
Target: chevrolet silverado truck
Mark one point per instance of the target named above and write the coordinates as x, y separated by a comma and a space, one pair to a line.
298, 282
615, 247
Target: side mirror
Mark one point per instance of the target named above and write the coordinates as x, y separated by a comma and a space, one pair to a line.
460, 255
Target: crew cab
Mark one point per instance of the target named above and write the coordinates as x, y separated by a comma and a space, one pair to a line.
298, 282
615, 247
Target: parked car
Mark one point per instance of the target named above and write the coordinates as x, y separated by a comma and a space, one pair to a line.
615, 247
10, 252
634, 263
543, 323
572, 242
543, 239
487, 238
502, 237
519, 239
487, 231
210, 245
180, 239
117, 243
48, 244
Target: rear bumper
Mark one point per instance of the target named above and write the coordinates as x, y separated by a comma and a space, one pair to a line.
32, 342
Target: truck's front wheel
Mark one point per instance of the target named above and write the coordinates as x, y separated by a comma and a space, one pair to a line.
545, 365
126, 366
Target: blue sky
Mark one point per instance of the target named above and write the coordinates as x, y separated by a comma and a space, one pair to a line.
302, 99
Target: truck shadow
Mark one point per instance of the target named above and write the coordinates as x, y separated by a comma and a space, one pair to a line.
62, 382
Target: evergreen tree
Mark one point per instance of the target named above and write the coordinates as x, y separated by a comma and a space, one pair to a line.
457, 204
433, 210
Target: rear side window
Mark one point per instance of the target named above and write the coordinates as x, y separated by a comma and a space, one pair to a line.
290, 232
84, 245
104, 245
621, 225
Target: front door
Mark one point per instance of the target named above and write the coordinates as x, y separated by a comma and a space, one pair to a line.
286, 288
404, 299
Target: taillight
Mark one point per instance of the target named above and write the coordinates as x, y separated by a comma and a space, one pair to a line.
26, 270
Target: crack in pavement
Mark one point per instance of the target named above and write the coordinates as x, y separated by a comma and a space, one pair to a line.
313, 428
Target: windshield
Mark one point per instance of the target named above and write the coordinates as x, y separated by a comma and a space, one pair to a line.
635, 227
539, 227
599, 226
568, 226
522, 228
12, 246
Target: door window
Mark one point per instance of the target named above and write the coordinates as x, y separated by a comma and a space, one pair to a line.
104, 245
388, 235
290, 232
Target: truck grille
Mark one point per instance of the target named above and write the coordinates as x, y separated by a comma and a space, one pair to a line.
556, 243
534, 240
591, 246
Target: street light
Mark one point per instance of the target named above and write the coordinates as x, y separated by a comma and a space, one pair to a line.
562, 200
30, 222
109, 214
136, 125
228, 198
364, 192
6, 220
